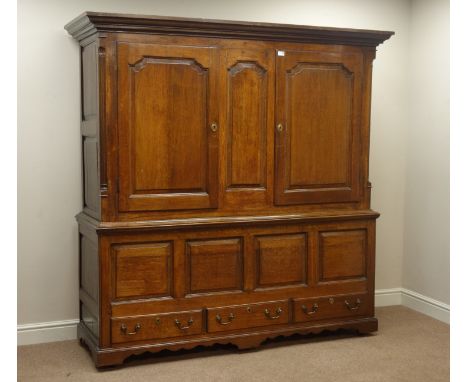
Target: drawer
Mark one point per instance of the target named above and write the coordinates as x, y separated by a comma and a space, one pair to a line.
307, 309
248, 316
164, 325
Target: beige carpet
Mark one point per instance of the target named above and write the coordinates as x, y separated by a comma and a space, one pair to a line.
408, 347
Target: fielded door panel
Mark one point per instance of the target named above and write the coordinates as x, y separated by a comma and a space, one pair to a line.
168, 135
247, 104
317, 141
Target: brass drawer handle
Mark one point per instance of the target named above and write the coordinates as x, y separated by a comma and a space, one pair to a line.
179, 325
278, 313
355, 307
123, 329
312, 311
220, 320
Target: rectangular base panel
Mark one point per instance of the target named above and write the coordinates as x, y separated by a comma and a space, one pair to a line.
243, 340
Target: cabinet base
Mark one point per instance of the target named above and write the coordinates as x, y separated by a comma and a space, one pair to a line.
246, 340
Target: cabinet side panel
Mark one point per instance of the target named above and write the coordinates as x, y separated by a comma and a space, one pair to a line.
90, 129
89, 279
369, 56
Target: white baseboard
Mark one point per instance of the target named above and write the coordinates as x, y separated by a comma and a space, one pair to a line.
426, 305
413, 300
42, 332
388, 297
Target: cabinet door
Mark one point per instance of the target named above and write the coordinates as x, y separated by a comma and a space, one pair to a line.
247, 87
317, 143
168, 137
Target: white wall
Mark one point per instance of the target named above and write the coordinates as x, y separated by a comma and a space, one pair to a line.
426, 242
49, 174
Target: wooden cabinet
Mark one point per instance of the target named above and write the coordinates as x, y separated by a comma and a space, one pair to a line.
225, 177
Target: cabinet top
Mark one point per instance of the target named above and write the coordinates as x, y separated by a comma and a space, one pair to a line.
89, 23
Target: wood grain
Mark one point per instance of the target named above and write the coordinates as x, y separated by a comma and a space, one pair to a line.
167, 103
90, 129
247, 316
167, 325
318, 102
88, 23
246, 129
226, 190
342, 254
222, 259
281, 260
332, 307
143, 270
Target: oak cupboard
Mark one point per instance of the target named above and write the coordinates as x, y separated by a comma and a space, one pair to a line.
225, 178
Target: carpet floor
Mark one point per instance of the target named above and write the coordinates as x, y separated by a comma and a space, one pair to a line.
409, 347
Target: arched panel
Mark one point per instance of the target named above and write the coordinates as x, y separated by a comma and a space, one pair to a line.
169, 106
168, 155
318, 110
246, 125
319, 120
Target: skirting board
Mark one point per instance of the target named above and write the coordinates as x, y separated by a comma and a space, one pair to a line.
387, 297
30, 334
413, 300
426, 305
42, 332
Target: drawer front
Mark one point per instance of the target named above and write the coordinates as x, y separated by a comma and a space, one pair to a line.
165, 325
307, 309
248, 316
